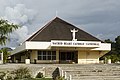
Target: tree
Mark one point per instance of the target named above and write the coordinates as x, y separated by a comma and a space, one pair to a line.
108, 41
5, 29
117, 43
5, 54
114, 54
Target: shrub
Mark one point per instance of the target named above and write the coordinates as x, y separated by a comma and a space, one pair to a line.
39, 75
6, 76
2, 75
59, 78
21, 73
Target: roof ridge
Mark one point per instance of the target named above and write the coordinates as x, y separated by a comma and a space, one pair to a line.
65, 25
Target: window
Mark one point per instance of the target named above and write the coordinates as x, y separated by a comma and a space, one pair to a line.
46, 55
49, 58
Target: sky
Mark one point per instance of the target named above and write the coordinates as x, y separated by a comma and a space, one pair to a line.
101, 18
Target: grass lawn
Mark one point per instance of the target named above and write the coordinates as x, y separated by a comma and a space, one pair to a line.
42, 79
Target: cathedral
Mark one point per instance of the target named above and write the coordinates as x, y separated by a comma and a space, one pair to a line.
60, 42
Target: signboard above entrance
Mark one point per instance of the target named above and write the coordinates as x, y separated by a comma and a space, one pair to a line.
55, 43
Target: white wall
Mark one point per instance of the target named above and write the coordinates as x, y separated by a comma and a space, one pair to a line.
86, 57
37, 45
103, 47
33, 56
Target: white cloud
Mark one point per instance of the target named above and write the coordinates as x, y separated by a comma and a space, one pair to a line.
19, 14
23, 16
99, 17
21, 34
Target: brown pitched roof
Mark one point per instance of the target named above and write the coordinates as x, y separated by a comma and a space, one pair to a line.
58, 29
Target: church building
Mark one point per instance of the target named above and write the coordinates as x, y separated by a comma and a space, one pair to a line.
60, 42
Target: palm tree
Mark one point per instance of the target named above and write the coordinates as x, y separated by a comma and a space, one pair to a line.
5, 29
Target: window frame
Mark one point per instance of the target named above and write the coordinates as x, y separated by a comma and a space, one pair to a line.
43, 55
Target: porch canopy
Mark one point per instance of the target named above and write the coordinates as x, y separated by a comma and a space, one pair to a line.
32, 45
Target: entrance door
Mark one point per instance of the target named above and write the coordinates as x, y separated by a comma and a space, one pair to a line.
68, 56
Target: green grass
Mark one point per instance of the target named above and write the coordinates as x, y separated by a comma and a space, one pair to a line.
42, 79
36, 79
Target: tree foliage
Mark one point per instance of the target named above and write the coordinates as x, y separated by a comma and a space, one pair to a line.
114, 54
22, 73
6, 53
117, 43
5, 29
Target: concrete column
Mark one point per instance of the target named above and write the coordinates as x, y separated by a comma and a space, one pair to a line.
109, 61
62, 74
78, 57
1, 61
70, 77
33, 56
65, 75
57, 56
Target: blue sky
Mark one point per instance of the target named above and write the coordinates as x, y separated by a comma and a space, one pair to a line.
100, 18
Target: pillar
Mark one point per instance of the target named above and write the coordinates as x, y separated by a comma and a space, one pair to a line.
1, 61
109, 61
57, 56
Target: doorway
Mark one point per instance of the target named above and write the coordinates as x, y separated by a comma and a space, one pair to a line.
68, 56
